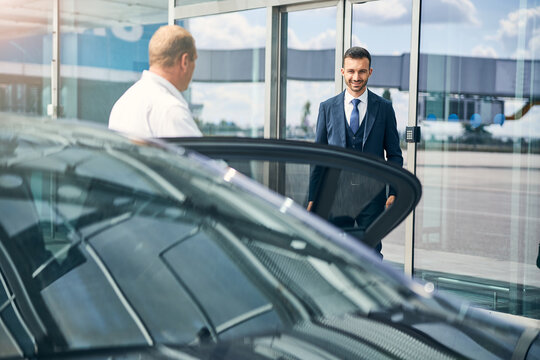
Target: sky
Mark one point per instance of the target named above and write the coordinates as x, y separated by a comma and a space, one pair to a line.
478, 28
489, 27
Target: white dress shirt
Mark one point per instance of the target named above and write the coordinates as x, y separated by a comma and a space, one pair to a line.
362, 106
153, 107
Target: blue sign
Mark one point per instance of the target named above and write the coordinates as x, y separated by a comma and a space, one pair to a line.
118, 48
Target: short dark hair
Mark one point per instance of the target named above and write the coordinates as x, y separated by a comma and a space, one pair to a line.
357, 52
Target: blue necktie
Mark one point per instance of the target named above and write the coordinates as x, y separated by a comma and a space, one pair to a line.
355, 116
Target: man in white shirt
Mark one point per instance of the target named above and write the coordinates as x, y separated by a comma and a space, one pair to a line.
154, 106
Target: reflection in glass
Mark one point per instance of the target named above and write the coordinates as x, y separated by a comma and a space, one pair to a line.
25, 58
227, 91
479, 159
350, 200
104, 51
311, 44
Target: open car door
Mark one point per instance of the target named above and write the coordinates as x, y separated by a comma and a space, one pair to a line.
347, 188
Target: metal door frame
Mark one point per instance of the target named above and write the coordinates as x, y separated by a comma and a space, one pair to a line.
276, 38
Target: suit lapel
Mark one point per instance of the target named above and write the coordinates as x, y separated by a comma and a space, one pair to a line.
338, 116
372, 110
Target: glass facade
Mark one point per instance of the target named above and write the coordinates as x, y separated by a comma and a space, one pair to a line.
311, 47
25, 54
479, 160
103, 52
476, 230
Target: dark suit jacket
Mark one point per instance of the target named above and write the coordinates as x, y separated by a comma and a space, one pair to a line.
380, 133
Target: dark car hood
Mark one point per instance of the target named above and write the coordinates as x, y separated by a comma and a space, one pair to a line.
403, 335
417, 336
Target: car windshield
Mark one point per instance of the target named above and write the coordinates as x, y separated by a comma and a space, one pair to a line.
121, 242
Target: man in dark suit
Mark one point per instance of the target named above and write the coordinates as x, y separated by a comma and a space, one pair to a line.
359, 119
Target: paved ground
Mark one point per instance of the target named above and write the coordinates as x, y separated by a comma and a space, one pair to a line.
467, 265
479, 216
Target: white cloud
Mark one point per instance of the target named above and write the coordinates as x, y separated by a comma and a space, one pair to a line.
242, 103
534, 44
357, 42
520, 24
299, 92
517, 21
234, 31
484, 51
400, 103
227, 31
526, 127
399, 12
378, 12
324, 40
450, 11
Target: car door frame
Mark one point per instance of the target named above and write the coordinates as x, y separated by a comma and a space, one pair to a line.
406, 185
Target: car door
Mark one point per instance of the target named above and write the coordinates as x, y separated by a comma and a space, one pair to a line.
347, 188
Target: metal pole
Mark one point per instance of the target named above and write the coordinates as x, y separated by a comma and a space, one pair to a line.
172, 4
412, 121
52, 108
342, 36
272, 72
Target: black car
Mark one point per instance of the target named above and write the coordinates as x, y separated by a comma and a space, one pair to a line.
120, 248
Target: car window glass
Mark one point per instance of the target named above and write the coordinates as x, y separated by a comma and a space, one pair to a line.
327, 287
348, 199
134, 251
216, 266
67, 215
47, 250
85, 306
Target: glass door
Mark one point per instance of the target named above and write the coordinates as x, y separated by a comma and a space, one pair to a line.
387, 36
478, 222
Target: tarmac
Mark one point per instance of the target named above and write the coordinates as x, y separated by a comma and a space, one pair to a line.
479, 216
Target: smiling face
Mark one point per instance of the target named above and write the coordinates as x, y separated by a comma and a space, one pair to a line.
356, 73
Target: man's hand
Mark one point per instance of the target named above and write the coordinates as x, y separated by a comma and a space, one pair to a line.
389, 201
309, 206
